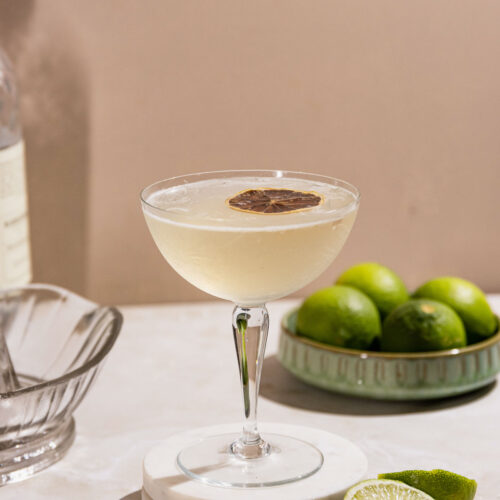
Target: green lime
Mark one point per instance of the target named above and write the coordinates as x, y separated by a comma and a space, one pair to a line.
380, 283
466, 298
422, 325
385, 489
341, 316
439, 484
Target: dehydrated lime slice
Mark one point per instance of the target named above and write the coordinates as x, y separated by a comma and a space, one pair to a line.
274, 201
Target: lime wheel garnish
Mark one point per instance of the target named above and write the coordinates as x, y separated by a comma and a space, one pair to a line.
274, 201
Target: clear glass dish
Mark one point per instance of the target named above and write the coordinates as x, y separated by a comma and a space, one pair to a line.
57, 342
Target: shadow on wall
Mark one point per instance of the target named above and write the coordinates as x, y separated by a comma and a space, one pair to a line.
55, 117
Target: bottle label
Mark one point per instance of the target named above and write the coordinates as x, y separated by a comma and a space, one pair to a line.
15, 261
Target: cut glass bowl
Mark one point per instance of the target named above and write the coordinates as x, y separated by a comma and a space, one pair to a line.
57, 342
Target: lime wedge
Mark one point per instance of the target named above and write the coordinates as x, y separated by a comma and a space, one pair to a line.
440, 484
385, 489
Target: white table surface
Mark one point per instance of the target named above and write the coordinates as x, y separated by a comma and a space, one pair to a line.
174, 368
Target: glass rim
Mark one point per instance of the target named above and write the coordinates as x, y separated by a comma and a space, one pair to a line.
241, 173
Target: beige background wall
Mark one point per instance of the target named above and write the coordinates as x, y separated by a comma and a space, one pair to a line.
400, 98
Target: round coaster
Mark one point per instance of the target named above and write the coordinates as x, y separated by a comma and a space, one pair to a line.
344, 464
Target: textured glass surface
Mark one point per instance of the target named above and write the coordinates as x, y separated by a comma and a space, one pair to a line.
57, 342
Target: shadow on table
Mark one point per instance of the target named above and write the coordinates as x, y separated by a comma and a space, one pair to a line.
281, 386
135, 495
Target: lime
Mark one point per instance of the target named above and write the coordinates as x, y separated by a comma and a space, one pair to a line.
422, 325
381, 284
466, 298
341, 316
440, 484
385, 489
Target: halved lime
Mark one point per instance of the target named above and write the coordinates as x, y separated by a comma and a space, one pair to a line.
385, 489
440, 484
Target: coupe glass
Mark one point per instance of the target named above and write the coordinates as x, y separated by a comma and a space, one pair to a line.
249, 259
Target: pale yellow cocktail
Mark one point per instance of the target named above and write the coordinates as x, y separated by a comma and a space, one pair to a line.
248, 258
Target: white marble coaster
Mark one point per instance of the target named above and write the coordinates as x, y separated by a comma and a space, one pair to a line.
344, 465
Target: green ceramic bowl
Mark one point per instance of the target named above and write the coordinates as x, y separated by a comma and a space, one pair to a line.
384, 375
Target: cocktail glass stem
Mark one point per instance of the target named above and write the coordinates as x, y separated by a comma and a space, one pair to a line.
250, 326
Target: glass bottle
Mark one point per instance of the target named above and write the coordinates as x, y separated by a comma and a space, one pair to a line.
15, 261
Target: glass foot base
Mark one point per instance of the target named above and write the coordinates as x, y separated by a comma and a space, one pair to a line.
25, 458
212, 462
344, 465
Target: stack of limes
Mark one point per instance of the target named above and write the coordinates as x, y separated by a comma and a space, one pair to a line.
369, 308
